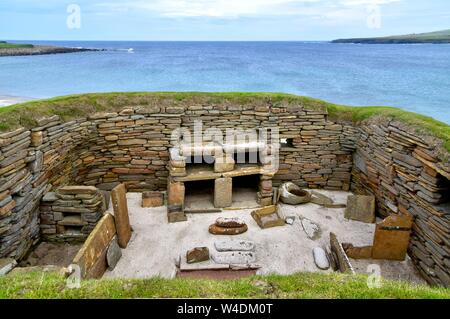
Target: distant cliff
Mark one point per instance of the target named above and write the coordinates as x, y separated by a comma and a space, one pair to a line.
438, 37
13, 49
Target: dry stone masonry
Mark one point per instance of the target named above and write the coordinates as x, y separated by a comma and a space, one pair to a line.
407, 172
71, 213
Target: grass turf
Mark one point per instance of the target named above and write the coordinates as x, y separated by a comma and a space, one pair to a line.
76, 106
6, 45
302, 285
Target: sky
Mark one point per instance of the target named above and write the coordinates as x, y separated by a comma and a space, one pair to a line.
218, 20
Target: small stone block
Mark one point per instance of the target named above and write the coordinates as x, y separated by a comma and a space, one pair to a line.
267, 217
223, 164
217, 230
152, 199
229, 222
177, 217
223, 192
197, 255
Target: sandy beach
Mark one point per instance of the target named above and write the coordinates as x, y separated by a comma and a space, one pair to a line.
6, 100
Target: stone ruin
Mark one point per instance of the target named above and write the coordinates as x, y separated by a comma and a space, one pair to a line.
407, 172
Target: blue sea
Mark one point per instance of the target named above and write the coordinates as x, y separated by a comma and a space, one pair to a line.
412, 77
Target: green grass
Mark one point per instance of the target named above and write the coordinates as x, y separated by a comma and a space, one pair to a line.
75, 106
302, 285
6, 45
421, 123
429, 37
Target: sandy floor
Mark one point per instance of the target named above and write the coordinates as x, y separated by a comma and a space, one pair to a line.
155, 244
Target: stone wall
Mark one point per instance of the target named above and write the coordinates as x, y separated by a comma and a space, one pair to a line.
32, 162
404, 171
132, 146
401, 168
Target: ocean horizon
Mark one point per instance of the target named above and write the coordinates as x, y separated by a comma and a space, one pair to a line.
408, 76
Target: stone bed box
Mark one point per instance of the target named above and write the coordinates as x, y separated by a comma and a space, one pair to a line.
407, 172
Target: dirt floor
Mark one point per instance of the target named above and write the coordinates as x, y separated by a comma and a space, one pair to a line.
51, 254
156, 245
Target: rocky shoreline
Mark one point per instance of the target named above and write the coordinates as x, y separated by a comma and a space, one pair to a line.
41, 50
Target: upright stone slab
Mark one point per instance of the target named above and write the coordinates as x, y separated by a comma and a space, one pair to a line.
175, 193
223, 192
361, 208
391, 238
341, 258
175, 202
92, 257
122, 220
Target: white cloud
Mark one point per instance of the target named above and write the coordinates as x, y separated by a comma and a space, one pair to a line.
367, 2
240, 8
211, 8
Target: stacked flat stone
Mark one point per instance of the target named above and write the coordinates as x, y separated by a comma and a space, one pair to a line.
20, 192
177, 163
409, 174
71, 213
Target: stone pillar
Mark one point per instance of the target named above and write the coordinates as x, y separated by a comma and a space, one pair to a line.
223, 192
265, 193
175, 202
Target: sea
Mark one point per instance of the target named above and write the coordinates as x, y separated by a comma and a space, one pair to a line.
412, 77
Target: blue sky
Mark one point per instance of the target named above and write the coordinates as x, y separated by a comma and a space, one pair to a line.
222, 20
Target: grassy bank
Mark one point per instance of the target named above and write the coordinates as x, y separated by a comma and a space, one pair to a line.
76, 106
6, 45
437, 37
302, 285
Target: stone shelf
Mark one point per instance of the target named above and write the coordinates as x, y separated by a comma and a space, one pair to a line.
74, 220
202, 172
